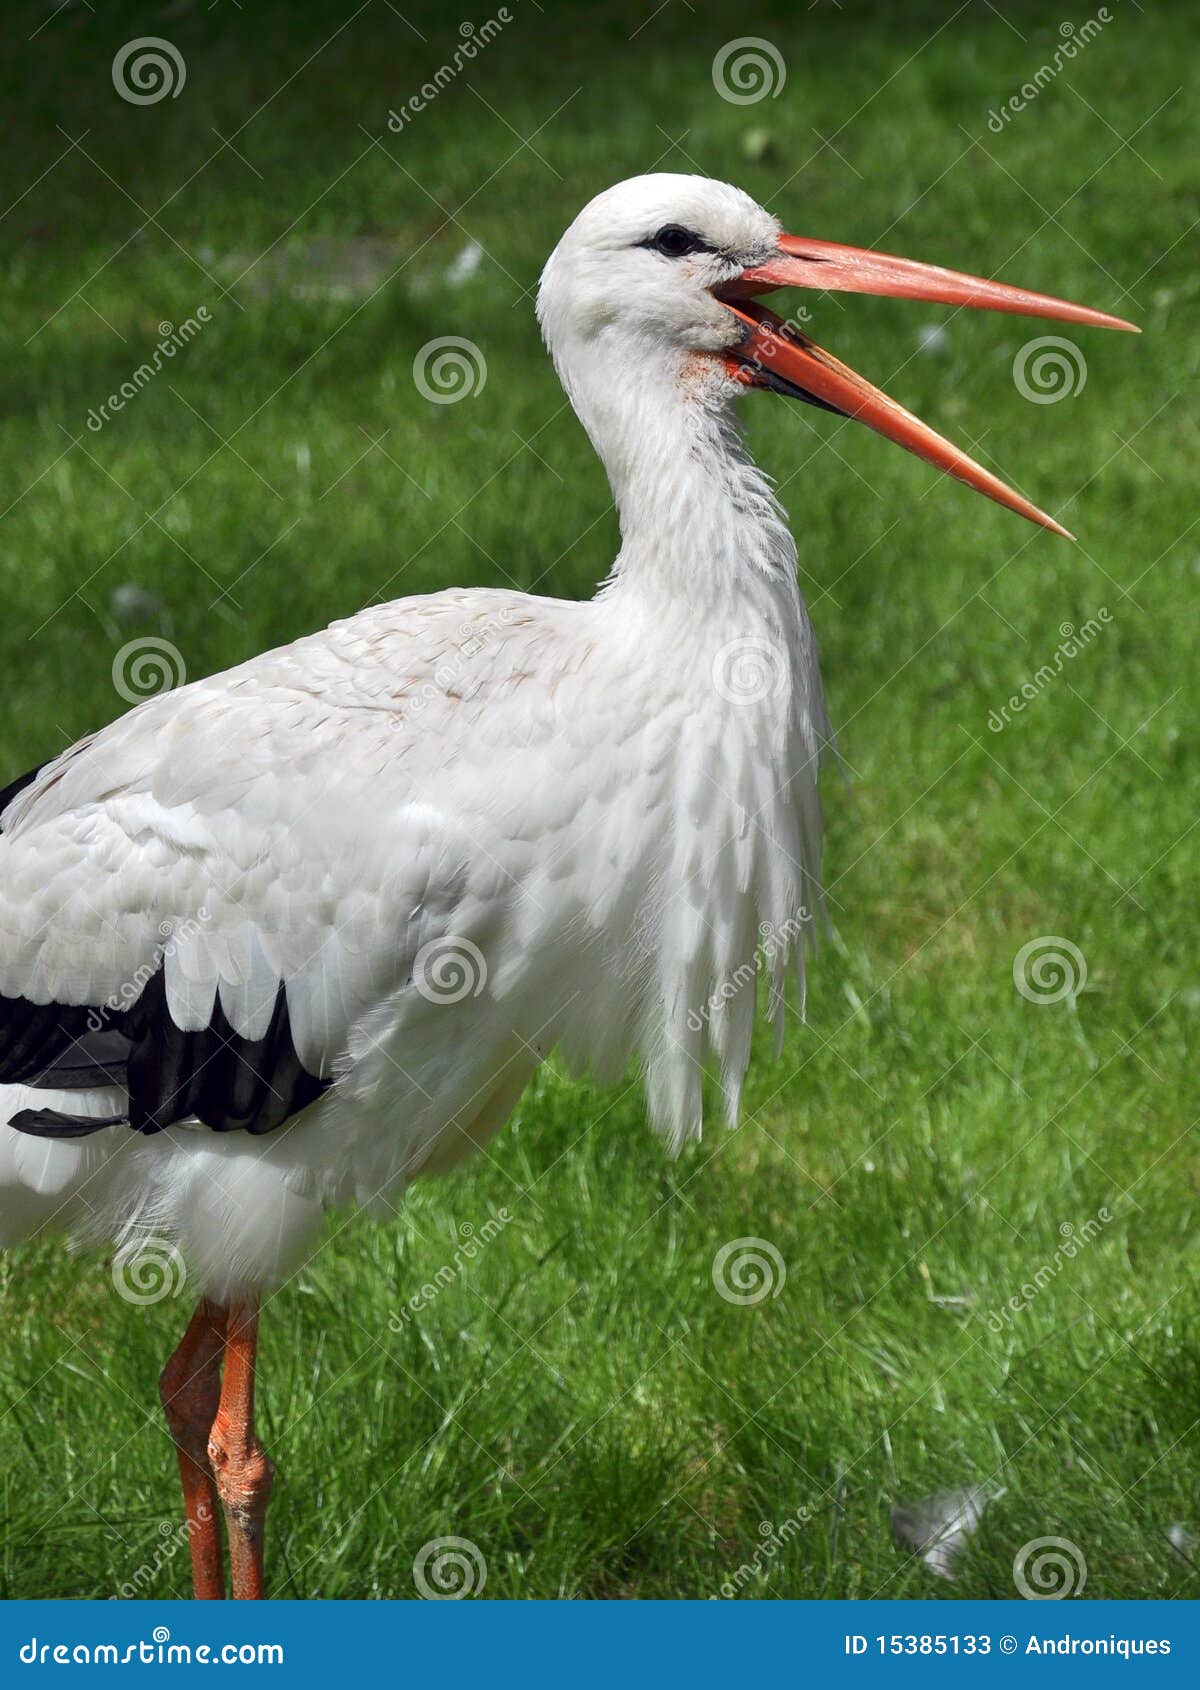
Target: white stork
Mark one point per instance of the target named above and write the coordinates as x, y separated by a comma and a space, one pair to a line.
231, 920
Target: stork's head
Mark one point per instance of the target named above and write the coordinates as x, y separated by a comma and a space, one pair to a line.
655, 287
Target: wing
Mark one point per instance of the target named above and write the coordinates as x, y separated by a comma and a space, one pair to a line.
202, 901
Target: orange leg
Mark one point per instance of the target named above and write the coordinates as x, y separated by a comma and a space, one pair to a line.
190, 1389
239, 1462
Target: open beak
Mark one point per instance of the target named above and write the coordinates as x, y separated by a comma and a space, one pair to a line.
775, 355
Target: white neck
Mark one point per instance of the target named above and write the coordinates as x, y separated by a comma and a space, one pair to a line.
703, 594
699, 523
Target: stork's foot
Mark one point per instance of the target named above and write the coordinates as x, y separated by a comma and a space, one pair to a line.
239, 1463
190, 1389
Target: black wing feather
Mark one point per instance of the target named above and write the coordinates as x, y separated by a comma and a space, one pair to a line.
230, 1083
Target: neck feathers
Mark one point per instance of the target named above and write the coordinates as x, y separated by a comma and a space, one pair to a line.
698, 518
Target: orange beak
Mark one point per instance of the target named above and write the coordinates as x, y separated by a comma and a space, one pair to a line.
774, 355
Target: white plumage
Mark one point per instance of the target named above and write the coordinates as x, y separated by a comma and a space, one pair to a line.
560, 798
340, 901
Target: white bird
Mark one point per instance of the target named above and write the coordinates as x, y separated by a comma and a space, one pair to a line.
307, 927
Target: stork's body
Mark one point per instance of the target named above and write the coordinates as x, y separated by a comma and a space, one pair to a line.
325, 816
308, 926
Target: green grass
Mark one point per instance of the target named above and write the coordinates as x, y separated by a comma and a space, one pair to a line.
579, 1401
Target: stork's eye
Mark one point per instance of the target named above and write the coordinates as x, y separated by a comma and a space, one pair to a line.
674, 241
